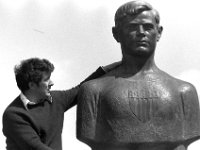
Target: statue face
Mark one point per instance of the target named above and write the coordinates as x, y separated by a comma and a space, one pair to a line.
139, 34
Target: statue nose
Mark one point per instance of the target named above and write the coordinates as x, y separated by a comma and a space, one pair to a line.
141, 29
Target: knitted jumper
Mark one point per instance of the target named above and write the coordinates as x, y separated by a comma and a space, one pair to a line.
39, 127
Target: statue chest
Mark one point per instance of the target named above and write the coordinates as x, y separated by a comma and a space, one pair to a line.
141, 101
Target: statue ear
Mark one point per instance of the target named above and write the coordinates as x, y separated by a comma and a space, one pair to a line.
160, 29
116, 34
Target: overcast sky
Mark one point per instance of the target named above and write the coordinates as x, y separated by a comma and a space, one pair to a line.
76, 36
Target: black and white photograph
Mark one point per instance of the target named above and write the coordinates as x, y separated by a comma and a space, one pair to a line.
99, 75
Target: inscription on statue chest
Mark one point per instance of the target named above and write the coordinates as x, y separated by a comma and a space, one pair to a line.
144, 101
142, 105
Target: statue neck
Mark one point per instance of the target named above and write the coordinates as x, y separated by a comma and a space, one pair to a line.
138, 64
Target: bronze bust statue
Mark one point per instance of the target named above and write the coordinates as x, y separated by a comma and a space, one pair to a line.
137, 106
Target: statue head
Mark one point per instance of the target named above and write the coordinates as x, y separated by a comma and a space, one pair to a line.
137, 28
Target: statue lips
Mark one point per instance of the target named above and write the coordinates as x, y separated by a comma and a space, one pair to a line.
142, 43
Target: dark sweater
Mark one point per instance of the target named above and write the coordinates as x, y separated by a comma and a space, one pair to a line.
39, 127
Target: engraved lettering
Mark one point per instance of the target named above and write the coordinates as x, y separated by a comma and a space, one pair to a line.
142, 104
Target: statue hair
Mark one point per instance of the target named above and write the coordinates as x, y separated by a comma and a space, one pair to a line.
133, 8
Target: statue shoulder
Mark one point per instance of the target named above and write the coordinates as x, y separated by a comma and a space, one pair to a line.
185, 87
92, 86
98, 83
188, 94
182, 85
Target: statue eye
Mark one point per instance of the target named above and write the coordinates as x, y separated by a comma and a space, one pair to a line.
148, 26
132, 27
